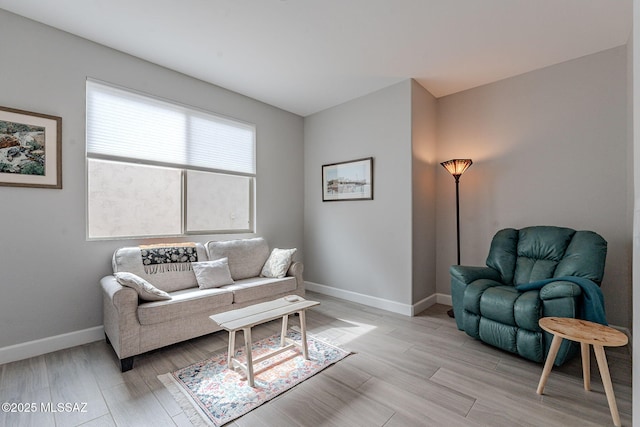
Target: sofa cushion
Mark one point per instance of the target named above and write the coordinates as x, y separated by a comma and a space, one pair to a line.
146, 291
496, 303
585, 257
542, 242
184, 303
531, 270
174, 278
527, 310
246, 256
473, 292
278, 263
212, 274
260, 287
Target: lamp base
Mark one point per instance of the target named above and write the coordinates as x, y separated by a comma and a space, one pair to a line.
450, 313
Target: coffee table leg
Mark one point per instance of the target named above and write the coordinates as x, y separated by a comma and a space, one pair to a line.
551, 357
232, 349
283, 333
247, 349
606, 381
586, 365
303, 334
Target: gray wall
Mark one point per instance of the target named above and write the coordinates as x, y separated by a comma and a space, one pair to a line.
423, 149
49, 272
549, 147
362, 246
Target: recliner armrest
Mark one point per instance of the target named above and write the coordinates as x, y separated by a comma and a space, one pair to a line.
467, 274
559, 289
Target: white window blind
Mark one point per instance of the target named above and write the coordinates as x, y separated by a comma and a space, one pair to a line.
155, 168
125, 124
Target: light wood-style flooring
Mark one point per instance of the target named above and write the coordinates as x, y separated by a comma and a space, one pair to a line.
418, 371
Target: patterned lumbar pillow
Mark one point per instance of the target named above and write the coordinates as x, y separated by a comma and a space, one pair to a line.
278, 263
146, 290
212, 274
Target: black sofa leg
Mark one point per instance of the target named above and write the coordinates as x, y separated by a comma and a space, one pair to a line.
126, 364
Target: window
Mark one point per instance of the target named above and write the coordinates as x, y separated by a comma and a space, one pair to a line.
156, 168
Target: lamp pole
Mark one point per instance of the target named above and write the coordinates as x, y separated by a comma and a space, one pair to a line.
456, 167
457, 177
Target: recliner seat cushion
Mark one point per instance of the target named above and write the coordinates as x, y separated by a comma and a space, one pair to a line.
473, 293
497, 303
506, 305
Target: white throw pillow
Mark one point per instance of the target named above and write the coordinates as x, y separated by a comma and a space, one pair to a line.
146, 290
278, 263
212, 274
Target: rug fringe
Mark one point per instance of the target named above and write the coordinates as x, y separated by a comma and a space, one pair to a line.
190, 408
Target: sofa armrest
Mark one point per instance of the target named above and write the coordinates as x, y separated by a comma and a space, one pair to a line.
121, 297
120, 317
467, 274
295, 270
559, 289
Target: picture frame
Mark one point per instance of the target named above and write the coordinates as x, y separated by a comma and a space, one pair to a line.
350, 180
30, 149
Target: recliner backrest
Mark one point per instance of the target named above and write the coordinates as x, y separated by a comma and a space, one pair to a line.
543, 252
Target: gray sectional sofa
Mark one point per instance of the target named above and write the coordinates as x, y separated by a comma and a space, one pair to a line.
134, 326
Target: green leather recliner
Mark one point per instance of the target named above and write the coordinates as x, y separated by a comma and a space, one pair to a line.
487, 305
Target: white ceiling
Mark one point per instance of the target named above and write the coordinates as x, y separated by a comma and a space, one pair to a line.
307, 55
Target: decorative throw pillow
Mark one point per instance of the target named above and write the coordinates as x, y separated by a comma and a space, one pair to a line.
278, 263
212, 274
146, 290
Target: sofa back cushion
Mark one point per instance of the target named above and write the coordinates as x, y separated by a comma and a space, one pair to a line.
165, 266
246, 256
540, 249
585, 257
533, 253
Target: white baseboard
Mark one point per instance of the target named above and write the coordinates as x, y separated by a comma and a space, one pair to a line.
47, 345
444, 299
384, 304
423, 304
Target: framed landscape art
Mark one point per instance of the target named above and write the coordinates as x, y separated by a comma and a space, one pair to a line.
30, 149
351, 180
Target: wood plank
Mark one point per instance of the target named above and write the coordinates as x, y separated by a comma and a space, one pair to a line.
134, 404
72, 380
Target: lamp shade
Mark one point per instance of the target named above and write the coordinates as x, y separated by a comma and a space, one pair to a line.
456, 167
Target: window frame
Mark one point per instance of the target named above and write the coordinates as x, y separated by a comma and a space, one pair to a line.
182, 168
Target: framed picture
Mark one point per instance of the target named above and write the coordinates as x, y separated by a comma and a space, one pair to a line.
352, 180
30, 149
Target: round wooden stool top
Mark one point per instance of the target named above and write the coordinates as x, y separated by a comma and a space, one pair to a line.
583, 331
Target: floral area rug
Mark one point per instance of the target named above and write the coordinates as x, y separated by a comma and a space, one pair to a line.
212, 395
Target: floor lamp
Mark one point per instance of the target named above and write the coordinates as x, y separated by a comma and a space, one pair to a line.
456, 167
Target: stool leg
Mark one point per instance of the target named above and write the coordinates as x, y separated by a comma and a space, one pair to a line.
586, 365
247, 346
551, 357
232, 349
283, 332
303, 334
606, 381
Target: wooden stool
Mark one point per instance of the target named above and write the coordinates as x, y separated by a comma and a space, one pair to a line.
584, 332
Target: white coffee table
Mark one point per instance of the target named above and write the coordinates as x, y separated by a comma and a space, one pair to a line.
246, 318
